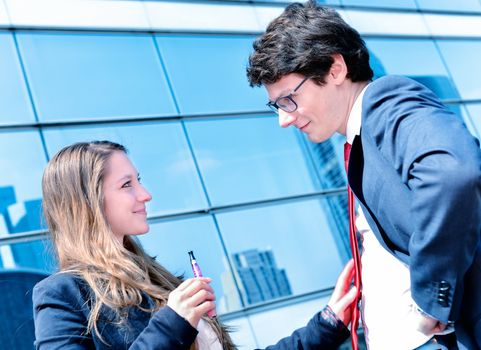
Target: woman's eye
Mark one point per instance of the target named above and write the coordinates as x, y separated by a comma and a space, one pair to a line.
127, 184
139, 179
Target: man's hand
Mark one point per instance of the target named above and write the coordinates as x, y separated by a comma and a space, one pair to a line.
426, 324
344, 295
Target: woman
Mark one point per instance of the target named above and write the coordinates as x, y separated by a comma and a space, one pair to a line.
109, 293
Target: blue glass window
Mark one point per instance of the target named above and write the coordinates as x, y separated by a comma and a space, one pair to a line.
20, 196
320, 2
462, 58
242, 334
208, 73
402, 4
20, 183
474, 111
415, 58
294, 242
38, 255
170, 242
250, 159
92, 76
460, 110
272, 325
459, 5
160, 153
15, 104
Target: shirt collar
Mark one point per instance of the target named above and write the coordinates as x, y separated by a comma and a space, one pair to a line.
353, 127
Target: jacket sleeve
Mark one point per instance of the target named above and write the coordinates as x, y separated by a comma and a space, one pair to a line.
166, 330
60, 316
446, 212
439, 163
322, 332
442, 167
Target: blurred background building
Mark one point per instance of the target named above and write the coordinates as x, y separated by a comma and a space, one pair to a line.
262, 208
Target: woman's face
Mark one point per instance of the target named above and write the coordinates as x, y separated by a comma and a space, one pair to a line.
124, 197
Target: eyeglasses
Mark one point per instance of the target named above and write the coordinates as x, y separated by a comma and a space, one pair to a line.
286, 103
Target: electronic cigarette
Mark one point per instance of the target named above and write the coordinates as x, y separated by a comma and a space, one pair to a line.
198, 273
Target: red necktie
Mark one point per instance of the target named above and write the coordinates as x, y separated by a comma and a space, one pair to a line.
355, 253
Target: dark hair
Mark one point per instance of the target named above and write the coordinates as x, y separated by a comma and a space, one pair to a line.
302, 40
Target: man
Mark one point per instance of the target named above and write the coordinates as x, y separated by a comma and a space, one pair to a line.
414, 169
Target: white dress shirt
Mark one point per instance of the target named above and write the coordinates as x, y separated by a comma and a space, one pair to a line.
387, 309
207, 338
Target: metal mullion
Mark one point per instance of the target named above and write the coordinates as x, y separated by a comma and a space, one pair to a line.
212, 210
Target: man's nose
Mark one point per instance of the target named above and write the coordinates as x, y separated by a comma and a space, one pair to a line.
285, 119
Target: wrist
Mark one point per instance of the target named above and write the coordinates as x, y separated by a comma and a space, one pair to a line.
331, 318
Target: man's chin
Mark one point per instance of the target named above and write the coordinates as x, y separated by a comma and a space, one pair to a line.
315, 138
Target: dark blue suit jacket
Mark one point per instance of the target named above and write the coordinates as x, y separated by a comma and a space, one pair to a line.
416, 171
61, 310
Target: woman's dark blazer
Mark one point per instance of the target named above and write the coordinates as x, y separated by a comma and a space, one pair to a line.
61, 309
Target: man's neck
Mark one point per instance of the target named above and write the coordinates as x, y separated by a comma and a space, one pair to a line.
354, 90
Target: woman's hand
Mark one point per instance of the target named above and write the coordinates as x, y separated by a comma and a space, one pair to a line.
192, 298
344, 295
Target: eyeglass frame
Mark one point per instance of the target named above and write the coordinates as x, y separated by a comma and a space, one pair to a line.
275, 107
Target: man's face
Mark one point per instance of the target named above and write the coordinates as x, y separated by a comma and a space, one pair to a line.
320, 109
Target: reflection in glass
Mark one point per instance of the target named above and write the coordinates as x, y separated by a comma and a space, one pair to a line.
297, 234
320, 2
462, 58
259, 275
37, 255
242, 333
159, 151
207, 73
415, 58
272, 325
14, 101
88, 76
474, 115
400, 4
20, 196
458, 5
328, 169
249, 159
20, 183
170, 241
19, 216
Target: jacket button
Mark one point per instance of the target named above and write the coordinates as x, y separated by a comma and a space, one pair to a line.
443, 302
443, 285
443, 293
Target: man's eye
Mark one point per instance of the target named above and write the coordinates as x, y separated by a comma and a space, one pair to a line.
127, 184
139, 179
284, 102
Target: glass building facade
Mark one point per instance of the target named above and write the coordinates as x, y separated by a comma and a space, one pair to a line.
263, 209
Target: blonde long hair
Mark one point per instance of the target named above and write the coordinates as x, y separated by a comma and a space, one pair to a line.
118, 274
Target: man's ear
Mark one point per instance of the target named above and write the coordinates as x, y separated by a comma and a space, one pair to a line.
338, 71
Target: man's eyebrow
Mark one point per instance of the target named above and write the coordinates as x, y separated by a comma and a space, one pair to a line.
283, 93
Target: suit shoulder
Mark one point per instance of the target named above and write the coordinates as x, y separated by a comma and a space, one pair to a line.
59, 280
60, 285
394, 80
390, 83
393, 97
